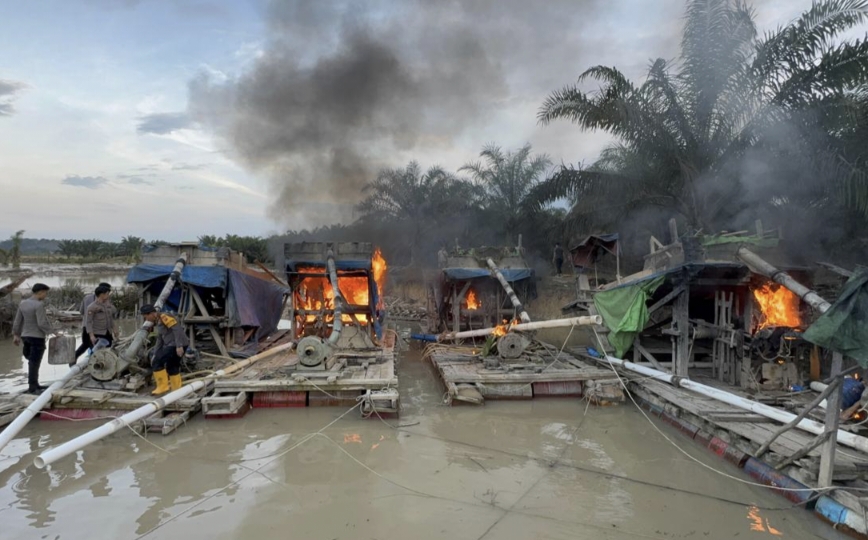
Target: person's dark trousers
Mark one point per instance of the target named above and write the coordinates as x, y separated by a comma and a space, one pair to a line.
167, 358
85, 345
559, 263
34, 348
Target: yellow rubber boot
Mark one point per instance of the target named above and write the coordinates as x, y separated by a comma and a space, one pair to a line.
162, 380
175, 382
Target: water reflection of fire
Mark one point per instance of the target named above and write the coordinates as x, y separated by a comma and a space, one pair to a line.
472, 301
779, 306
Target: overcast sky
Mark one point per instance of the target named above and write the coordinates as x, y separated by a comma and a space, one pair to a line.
175, 118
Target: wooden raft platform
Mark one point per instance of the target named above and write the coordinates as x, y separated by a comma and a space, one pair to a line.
468, 380
277, 381
747, 431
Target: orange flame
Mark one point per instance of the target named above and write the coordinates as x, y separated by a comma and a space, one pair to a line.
502, 329
779, 306
472, 301
378, 264
314, 293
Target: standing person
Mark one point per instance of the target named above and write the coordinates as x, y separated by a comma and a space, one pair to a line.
558, 257
86, 343
100, 321
169, 349
31, 326
442, 257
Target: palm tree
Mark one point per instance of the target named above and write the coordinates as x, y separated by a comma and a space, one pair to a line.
506, 179
15, 251
67, 248
131, 246
416, 201
738, 120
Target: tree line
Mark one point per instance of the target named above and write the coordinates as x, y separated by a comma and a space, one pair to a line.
739, 127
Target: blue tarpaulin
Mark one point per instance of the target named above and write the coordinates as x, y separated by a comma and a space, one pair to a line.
250, 301
511, 274
210, 277
360, 264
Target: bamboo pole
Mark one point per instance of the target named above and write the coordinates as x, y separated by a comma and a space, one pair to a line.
53, 454
525, 318
844, 437
792, 423
526, 327
754, 261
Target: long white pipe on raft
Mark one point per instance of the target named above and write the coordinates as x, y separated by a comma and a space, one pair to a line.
69, 447
39, 403
526, 327
844, 437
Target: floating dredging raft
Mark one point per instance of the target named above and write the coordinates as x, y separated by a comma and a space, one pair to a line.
723, 345
343, 354
481, 297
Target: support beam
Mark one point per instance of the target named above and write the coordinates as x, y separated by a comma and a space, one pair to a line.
833, 415
792, 423
681, 314
648, 356
666, 299
805, 450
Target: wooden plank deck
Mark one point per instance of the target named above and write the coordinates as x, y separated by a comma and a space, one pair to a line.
280, 374
464, 372
848, 461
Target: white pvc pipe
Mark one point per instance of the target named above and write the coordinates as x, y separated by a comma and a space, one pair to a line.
528, 327
58, 452
844, 437
33, 409
525, 318
817, 386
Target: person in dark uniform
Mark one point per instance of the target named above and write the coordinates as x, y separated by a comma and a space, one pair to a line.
168, 351
86, 344
30, 327
558, 258
101, 314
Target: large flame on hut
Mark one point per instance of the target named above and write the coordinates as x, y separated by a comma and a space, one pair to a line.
472, 301
779, 306
315, 293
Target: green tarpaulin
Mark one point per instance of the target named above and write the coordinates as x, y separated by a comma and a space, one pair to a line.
625, 312
844, 328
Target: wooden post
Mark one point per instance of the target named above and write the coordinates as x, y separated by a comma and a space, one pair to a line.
833, 415
673, 231
681, 316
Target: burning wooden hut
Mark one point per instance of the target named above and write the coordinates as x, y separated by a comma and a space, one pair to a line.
468, 294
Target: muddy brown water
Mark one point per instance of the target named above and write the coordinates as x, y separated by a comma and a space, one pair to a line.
549, 468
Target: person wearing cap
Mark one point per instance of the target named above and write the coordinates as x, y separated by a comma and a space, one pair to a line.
169, 349
30, 327
100, 321
86, 343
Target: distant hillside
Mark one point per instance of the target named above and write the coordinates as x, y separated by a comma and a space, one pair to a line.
33, 246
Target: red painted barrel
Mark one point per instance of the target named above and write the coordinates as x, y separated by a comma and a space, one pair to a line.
557, 389
764, 474
262, 400
727, 451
